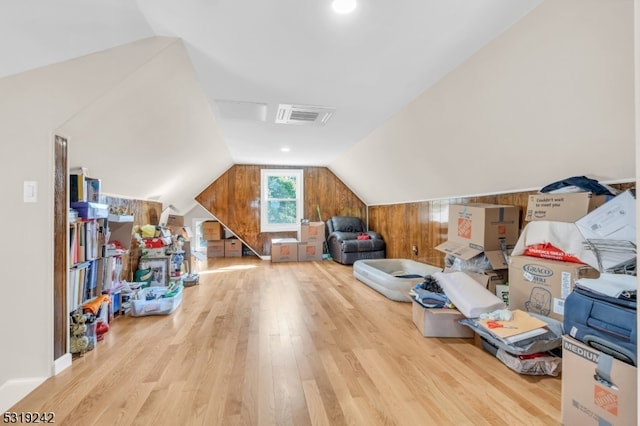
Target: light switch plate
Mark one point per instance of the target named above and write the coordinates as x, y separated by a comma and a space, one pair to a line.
30, 191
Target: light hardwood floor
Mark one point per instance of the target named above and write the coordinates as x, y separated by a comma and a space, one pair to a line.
257, 343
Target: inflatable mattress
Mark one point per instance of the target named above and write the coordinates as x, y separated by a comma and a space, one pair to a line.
392, 277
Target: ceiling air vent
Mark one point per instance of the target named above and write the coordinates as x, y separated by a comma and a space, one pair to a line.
303, 115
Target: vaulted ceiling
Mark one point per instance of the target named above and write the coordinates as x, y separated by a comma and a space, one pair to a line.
252, 56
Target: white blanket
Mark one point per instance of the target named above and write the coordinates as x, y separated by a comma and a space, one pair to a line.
563, 235
610, 284
469, 296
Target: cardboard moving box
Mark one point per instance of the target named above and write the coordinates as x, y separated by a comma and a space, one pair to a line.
440, 322
175, 220
541, 285
562, 207
608, 397
311, 232
211, 230
309, 251
477, 228
215, 248
284, 250
232, 247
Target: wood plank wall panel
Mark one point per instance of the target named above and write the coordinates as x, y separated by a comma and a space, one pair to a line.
60, 247
244, 205
425, 224
234, 199
144, 213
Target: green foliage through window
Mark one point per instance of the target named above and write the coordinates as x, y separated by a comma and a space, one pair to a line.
281, 201
282, 204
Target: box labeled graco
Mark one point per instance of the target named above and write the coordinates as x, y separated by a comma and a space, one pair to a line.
541, 285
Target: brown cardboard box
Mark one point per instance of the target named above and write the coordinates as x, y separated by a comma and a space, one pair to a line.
497, 283
284, 250
502, 291
589, 399
309, 251
477, 228
232, 247
175, 220
541, 285
311, 232
439, 322
211, 230
180, 230
489, 279
215, 248
562, 207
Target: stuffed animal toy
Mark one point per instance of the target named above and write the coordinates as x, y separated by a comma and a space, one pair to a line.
82, 333
79, 341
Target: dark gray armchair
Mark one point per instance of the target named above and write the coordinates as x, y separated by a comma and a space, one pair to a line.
343, 243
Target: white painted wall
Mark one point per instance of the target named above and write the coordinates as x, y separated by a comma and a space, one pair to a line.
552, 97
152, 135
125, 86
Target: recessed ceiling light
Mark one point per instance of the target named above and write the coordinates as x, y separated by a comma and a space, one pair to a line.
285, 149
344, 6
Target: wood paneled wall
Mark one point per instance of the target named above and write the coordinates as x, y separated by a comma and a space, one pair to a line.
425, 224
144, 213
234, 198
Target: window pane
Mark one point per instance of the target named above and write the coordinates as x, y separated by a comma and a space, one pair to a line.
281, 195
282, 212
282, 187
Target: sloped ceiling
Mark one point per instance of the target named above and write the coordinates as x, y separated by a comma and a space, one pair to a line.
152, 134
551, 97
366, 65
383, 59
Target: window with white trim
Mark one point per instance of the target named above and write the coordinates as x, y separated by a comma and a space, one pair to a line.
281, 200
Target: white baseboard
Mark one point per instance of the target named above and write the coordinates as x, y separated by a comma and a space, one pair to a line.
61, 364
12, 391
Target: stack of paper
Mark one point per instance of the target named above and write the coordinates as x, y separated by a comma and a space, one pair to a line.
610, 232
522, 326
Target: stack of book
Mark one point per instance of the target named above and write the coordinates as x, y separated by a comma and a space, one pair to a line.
83, 188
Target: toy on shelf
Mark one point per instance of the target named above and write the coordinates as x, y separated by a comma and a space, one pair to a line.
82, 336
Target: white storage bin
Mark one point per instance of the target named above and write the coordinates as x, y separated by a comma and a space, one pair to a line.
152, 301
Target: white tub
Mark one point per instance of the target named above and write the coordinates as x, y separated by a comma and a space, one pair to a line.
385, 275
